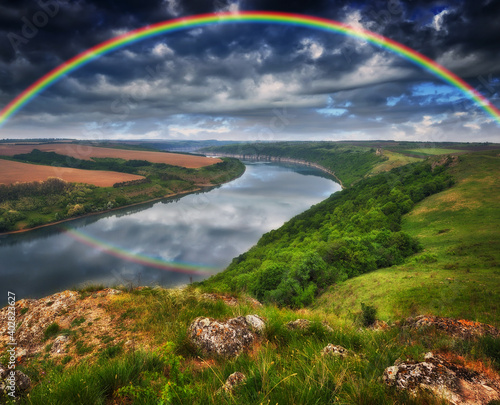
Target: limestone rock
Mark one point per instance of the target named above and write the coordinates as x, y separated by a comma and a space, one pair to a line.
455, 327
256, 322
227, 339
457, 385
21, 381
233, 381
334, 350
59, 345
41, 313
299, 324
327, 327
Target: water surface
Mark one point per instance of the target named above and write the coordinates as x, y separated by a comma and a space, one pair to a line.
151, 243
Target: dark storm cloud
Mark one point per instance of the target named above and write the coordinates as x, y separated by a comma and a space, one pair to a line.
227, 80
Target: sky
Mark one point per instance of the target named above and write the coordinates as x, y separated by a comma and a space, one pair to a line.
251, 81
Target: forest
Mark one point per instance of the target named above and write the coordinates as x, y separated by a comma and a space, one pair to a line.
353, 232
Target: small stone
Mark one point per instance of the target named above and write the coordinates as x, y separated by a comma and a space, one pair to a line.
379, 325
21, 353
23, 382
327, 327
256, 322
233, 381
299, 324
334, 350
59, 345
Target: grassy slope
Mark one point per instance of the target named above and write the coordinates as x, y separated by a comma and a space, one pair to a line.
458, 274
394, 159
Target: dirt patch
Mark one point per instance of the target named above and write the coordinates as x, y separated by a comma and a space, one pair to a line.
84, 152
13, 172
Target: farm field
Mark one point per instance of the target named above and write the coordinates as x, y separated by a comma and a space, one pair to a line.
12, 172
434, 151
85, 152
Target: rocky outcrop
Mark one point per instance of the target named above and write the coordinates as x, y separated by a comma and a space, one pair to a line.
455, 384
459, 328
16, 383
67, 310
234, 381
227, 339
334, 351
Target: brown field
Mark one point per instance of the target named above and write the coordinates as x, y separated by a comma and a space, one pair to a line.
85, 152
12, 172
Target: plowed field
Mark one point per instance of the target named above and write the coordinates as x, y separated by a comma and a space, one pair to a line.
12, 172
88, 152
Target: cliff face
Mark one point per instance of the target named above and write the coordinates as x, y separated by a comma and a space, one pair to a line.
278, 159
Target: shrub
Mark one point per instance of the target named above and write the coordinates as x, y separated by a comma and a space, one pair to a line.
52, 330
368, 314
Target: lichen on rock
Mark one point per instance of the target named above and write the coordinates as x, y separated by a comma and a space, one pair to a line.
461, 328
227, 339
21, 381
299, 324
334, 350
234, 381
454, 383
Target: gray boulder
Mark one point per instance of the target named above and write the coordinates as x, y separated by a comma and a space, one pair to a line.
20, 381
227, 339
455, 384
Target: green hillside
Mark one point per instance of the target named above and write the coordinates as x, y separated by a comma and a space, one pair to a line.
458, 272
353, 232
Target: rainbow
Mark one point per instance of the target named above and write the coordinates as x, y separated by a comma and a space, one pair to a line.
177, 267
248, 17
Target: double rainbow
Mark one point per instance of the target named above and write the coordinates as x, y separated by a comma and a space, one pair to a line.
249, 17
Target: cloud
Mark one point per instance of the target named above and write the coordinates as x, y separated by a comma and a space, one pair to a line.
179, 84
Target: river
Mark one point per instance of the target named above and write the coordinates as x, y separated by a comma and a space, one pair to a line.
168, 242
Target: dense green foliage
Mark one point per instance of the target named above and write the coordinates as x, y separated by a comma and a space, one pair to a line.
27, 205
349, 163
353, 232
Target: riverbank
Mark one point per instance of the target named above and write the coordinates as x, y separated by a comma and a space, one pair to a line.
38, 205
101, 212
